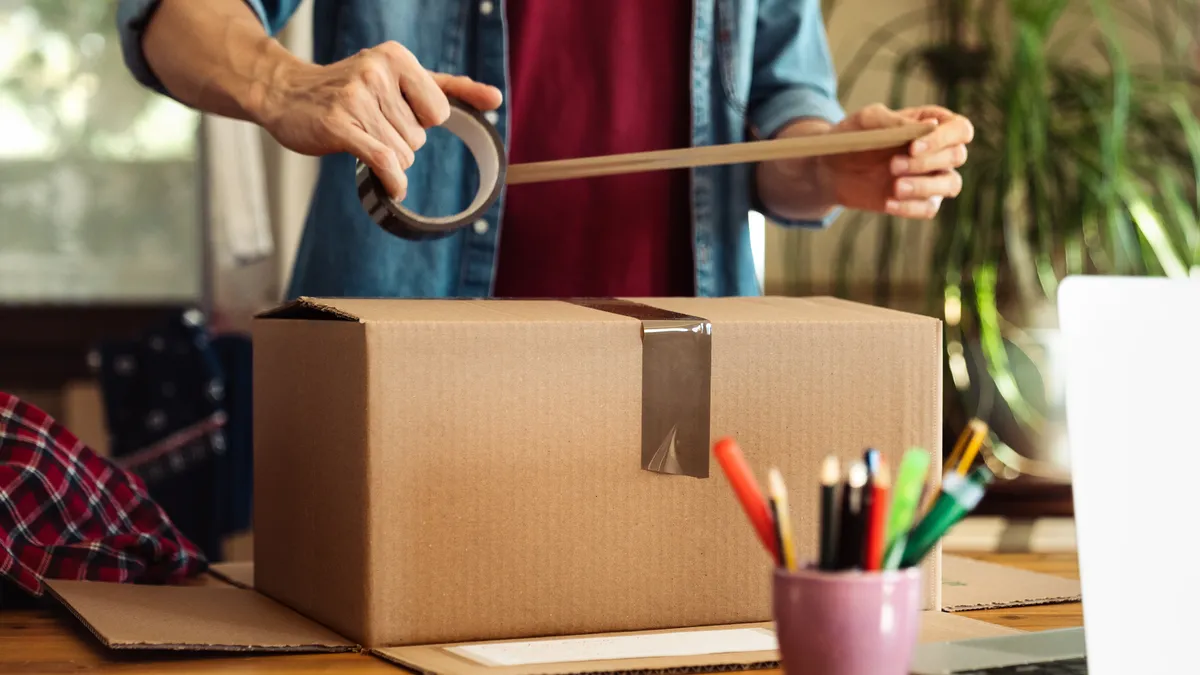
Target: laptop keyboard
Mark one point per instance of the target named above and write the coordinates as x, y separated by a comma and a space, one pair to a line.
1066, 667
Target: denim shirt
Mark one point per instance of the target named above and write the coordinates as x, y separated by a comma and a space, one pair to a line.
755, 66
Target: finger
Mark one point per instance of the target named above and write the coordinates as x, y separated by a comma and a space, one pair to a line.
945, 184
916, 209
933, 113
475, 94
382, 128
942, 160
956, 131
401, 119
384, 98
378, 156
424, 96
879, 117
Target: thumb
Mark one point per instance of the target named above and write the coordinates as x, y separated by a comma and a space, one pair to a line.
475, 94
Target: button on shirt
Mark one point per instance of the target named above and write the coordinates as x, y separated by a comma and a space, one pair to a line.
753, 66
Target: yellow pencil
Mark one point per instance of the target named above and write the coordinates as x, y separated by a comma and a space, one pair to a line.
979, 433
779, 495
974, 429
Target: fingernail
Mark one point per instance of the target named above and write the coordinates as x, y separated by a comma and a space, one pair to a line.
899, 165
919, 147
904, 188
892, 206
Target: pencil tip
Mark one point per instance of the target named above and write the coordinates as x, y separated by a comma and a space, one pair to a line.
858, 474
882, 477
831, 470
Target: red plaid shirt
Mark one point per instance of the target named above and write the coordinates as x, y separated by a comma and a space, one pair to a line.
67, 513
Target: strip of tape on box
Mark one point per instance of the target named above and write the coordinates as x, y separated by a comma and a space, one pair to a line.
676, 386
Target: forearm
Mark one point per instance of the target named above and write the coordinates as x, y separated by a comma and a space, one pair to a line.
797, 189
215, 56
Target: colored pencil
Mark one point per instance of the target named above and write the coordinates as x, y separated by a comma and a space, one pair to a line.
831, 503
851, 539
775, 529
745, 487
974, 429
870, 462
872, 458
783, 518
876, 519
972, 449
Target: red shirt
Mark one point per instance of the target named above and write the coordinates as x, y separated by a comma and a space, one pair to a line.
587, 79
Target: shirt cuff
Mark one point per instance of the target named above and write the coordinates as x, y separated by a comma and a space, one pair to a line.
132, 18
774, 114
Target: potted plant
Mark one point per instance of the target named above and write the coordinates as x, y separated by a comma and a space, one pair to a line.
1086, 161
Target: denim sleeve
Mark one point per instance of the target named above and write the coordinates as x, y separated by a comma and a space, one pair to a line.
793, 76
134, 15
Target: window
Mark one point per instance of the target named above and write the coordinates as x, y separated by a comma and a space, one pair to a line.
100, 212
99, 181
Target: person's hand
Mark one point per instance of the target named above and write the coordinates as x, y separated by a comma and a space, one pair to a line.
910, 183
375, 105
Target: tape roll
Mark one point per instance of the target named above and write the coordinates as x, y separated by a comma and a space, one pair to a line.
485, 145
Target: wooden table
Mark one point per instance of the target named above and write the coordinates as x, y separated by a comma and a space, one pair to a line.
47, 641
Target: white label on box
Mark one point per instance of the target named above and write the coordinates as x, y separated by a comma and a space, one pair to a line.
572, 650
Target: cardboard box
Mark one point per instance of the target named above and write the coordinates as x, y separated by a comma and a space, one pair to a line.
440, 471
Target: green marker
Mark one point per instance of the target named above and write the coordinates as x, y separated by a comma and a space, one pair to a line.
959, 497
905, 500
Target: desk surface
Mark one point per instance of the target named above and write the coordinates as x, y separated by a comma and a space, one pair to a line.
52, 642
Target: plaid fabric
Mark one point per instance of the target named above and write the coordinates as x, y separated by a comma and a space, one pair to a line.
67, 513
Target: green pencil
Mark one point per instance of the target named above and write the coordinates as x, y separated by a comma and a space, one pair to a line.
906, 496
959, 496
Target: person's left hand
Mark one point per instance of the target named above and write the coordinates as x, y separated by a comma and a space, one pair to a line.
911, 182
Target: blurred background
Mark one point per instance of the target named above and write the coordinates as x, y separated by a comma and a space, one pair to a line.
131, 224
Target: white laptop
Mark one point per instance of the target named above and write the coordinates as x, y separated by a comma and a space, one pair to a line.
1132, 366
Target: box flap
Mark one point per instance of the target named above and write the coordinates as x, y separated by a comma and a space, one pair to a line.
969, 584
308, 309
431, 310
775, 309
193, 618
240, 574
695, 650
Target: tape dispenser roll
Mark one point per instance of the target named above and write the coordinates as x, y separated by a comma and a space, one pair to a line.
483, 141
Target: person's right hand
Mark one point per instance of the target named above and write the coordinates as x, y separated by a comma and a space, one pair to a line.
375, 105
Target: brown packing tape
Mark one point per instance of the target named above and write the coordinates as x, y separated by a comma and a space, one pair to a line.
486, 147
676, 386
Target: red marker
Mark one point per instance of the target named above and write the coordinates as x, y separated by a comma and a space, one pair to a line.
741, 479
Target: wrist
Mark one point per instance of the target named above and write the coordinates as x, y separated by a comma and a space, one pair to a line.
271, 82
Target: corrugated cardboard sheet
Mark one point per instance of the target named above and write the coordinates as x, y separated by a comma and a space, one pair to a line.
208, 618
457, 470
973, 584
219, 618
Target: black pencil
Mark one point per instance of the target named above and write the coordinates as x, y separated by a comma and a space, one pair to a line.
852, 538
831, 504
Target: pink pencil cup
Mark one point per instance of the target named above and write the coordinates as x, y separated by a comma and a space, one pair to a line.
847, 623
